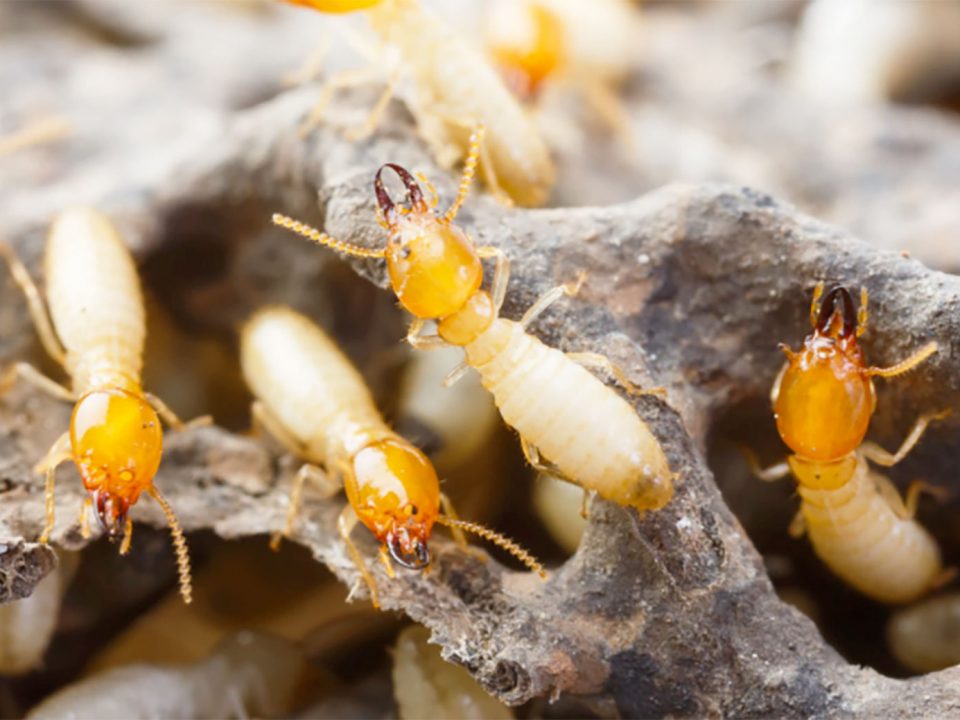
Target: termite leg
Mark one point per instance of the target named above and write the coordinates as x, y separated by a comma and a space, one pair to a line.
585, 504
33, 376
453, 377
815, 304
35, 304
450, 512
127, 537
945, 577
327, 486
352, 77
423, 342
59, 453
310, 68
797, 526
602, 362
543, 302
40, 132
170, 417
85, 518
376, 113
264, 420
881, 456
532, 455
610, 108
501, 274
466, 177
906, 509
770, 474
904, 365
345, 524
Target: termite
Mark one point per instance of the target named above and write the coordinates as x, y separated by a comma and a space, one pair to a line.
317, 405
97, 334
925, 636
587, 46
856, 519
588, 434
455, 89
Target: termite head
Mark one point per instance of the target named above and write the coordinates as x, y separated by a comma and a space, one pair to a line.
432, 264
335, 6
824, 397
395, 493
116, 442
526, 40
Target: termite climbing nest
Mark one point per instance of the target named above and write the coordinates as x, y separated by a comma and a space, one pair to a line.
190, 141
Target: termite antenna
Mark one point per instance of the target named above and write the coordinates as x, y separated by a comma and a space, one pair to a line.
179, 543
321, 238
497, 539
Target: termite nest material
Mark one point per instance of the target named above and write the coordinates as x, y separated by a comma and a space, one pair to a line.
702, 607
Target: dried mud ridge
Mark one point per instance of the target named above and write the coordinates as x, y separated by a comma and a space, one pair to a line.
689, 287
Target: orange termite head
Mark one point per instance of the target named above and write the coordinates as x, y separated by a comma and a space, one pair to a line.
433, 266
116, 442
526, 41
825, 397
396, 494
335, 6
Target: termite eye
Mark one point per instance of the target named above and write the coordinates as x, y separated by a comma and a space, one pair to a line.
413, 509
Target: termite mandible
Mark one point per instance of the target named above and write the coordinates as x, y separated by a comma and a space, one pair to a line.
97, 334
455, 89
315, 403
856, 520
587, 433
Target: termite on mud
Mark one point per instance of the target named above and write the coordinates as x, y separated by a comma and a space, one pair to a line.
856, 519
587, 433
315, 403
455, 88
97, 335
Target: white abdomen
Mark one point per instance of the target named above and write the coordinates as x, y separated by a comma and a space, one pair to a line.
856, 533
93, 292
591, 434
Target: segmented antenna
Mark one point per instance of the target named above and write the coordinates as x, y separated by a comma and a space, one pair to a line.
497, 539
321, 238
469, 169
179, 543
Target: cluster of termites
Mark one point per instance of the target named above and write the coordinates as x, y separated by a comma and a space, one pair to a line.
572, 425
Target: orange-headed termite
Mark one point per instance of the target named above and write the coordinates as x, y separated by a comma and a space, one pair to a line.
857, 521
455, 89
588, 433
586, 46
316, 404
97, 335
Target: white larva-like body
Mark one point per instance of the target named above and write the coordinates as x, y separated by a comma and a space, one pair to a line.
578, 424
925, 636
858, 535
95, 301
309, 385
454, 81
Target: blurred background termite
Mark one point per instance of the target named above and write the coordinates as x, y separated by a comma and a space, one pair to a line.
454, 89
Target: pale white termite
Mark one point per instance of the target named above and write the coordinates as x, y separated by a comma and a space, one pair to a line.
455, 89
251, 674
28, 625
312, 399
97, 335
855, 518
588, 433
925, 636
426, 686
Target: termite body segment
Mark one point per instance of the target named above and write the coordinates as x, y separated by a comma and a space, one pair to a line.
588, 433
97, 334
456, 89
856, 520
312, 399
